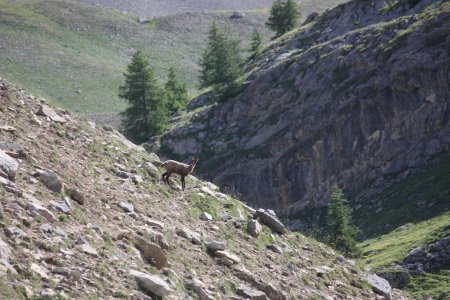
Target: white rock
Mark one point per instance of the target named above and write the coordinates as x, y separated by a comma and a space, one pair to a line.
153, 283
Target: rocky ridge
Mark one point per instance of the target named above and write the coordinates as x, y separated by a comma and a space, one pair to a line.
84, 214
357, 97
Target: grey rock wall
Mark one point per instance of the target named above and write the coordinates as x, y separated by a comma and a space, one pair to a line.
368, 103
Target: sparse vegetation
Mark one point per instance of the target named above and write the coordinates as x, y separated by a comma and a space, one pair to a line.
146, 115
284, 15
221, 63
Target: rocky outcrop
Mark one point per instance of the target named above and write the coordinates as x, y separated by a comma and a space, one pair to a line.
429, 258
8, 166
359, 95
380, 285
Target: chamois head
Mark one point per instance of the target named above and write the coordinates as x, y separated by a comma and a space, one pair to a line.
175, 167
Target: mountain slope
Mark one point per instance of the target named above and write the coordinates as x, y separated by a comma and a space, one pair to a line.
74, 53
83, 213
353, 102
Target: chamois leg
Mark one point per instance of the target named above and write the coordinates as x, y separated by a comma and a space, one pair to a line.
183, 182
168, 179
164, 177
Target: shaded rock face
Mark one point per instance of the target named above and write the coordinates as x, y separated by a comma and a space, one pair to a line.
370, 103
429, 258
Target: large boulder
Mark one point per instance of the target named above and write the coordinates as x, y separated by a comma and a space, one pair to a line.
47, 111
270, 220
152, 283
8, 166
379, 285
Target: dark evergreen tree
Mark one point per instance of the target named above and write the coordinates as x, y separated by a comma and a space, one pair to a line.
221, 63
176, 92
146, 114
340, 228
284, 15
255, 45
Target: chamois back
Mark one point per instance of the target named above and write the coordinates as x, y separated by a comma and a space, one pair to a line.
176, 167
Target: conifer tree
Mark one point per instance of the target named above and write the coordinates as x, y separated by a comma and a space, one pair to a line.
146, 113
284, 15
256, 42
176, 92
340, 228
221, 62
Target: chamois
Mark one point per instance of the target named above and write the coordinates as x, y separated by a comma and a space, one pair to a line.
175, 167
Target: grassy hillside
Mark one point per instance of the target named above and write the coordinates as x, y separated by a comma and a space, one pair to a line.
388, 250
74, 54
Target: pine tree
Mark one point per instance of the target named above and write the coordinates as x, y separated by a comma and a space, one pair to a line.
146, 114
176, 92
256, 42
340, 228
221, 63
284, 15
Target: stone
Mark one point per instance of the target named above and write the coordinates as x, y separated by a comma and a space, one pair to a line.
61, 206
199, 288
254, 228
7, 128
2, 214
347, 261
72, 274
14, 232
397, 277
48, 293
5, 266
152, 283
37, 207
248, 293
136, 178
12, 147
52, 181
87, 248
91, 124
127, 207
153, 223
229, 256
206, 216
192, 236
271, 221
159, 239
8, 166
47, 111
379, 285
275, 248
245, 275
216, 245
237, 15
151, 170
39, 270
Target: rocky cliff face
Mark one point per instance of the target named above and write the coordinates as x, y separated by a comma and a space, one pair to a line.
357, 97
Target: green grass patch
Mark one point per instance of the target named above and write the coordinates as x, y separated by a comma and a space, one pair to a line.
392, 248
431, 284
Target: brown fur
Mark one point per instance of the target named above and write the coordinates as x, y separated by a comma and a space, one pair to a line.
175, 167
